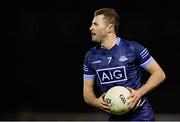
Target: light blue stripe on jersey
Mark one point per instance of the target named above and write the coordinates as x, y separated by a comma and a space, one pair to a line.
145, 55
143, 51
89, 76
145, 64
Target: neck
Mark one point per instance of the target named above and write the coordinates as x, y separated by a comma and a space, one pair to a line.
109, 42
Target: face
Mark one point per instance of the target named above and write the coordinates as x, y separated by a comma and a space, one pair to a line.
98, 28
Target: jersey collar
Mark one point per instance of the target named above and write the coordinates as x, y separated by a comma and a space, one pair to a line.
118, 40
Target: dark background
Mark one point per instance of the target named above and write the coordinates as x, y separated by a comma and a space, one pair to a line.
43, 44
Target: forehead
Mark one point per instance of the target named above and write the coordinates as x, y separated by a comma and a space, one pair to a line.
98, 18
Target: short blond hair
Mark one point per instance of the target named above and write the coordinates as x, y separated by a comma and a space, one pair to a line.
110, 15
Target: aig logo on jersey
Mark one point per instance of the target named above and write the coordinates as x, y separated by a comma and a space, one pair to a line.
111, 75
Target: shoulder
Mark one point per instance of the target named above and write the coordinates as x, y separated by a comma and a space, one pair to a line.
128, 44
131, 44
92, 50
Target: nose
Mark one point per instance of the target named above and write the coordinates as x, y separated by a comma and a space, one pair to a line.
90, 28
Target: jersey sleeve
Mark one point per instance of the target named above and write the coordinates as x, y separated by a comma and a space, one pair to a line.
142, 54
87, 69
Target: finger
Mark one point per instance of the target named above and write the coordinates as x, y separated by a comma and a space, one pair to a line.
137, 105
104, 103
130, 96
133, 103
132, 106
130, 101
106, 108
136, 101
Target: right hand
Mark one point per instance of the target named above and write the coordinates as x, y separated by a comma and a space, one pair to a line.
101, 104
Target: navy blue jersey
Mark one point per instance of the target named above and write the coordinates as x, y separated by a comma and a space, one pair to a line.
120, 65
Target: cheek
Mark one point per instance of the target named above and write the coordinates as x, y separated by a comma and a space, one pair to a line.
100, 31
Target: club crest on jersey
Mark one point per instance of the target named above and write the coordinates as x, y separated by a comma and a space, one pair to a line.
111, 75
123, 58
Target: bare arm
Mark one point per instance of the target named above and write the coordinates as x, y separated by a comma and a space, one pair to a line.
157, 76
90, 97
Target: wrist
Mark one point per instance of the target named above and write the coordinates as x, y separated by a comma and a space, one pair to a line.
142, 90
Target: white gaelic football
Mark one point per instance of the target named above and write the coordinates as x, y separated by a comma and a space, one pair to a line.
116, 98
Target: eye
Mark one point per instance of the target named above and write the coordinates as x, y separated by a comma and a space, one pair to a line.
95, 23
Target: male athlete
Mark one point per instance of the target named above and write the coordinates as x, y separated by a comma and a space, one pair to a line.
116, 61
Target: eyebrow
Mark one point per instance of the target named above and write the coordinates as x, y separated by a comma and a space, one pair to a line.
95, 23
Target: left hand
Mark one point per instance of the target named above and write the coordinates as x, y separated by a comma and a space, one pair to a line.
133, 98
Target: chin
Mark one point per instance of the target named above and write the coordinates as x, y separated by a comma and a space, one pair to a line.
94, 40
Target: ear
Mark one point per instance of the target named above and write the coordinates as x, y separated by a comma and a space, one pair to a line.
110, 28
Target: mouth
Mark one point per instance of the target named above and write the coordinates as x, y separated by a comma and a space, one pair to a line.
93, 34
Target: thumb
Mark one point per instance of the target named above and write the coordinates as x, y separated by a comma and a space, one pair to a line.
103, 95
130, 89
